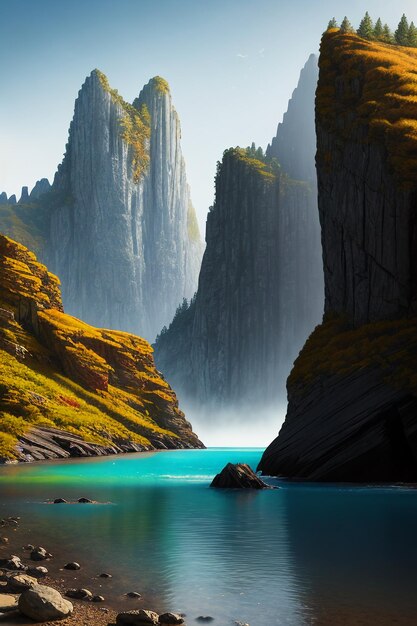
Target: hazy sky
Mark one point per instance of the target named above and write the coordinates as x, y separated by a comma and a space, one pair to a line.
232, 66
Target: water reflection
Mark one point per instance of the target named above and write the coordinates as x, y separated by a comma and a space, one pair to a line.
298, 555
353, 553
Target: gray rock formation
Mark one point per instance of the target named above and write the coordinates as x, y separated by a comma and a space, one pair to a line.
42, 186
126, 252
260, 288
24, 196
352, 393
3, 197
118, 226
294, 145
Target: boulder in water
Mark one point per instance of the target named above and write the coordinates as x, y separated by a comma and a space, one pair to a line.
238, 476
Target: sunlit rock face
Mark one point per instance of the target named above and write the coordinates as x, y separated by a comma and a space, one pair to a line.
126, 250
260, 289
117, 226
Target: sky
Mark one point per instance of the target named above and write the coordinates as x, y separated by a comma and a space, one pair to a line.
231, 64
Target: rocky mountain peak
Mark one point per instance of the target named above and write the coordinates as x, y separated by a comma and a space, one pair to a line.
294, 145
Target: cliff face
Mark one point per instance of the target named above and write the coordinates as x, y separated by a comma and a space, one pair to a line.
256, 298
67, 388
120, 230
260, 286
294, 145
352, 411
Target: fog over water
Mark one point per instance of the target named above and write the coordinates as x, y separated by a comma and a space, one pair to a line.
245, 426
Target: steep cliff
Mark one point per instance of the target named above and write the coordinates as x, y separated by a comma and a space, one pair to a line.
260, 288
118, 225
69, 389
294, 145
257, 298
352, 411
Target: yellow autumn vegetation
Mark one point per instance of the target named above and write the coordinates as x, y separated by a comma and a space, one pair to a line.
335, 348
373, 85
135, 128
46, 357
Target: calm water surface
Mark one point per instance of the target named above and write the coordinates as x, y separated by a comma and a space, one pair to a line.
303, 554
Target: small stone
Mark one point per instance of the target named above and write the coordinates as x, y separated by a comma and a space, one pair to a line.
205, 618
79, 594
171, 618
43, 603
105, 575
8, 603
4, 540
73, 565
133, 594
38, 572
60, 501
29, 547
97, 599
85, 501
40, 554
21, 582
137, 618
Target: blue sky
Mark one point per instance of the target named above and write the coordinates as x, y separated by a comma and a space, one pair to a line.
231, 64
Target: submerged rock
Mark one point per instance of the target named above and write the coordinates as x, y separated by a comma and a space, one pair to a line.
43, 603
73, 566
38, 572
238, 476
79, 594
40, 554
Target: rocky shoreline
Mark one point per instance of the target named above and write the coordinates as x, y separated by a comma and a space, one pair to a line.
33, 590
48, 444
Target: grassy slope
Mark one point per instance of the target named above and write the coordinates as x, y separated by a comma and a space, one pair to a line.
58, 371
387, 105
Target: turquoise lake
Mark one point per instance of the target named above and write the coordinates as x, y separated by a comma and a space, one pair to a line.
301, 554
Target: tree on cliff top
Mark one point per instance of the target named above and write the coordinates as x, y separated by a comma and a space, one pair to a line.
346, 26
387, 36
366, 27
412, 35
401, 34
332, 24
379, 29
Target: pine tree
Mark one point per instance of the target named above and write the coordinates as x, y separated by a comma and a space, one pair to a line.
387, 36
366, 27
346, 26
332, 24
412, 36
401, 34
379, 29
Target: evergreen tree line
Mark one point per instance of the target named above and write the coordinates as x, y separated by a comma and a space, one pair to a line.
405, 35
